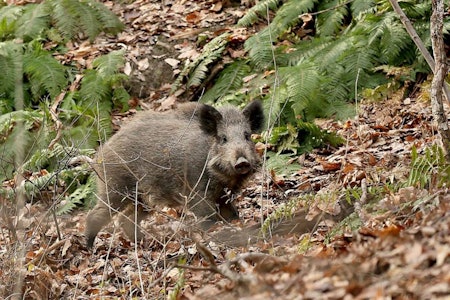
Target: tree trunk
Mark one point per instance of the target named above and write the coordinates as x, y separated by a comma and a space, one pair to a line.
438, 66
440, 72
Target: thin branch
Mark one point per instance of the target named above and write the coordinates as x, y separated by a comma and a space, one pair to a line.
416, 39
54, 111
328, 9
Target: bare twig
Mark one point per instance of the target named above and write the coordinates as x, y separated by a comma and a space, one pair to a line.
54, 111
360, 203
58, 123
328, 9
41, 254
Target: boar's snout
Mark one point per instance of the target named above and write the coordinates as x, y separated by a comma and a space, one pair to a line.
242, 166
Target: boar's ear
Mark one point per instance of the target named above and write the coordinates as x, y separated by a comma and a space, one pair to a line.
209, 117
255, 115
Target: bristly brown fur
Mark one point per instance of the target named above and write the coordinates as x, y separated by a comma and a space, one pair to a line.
192, 154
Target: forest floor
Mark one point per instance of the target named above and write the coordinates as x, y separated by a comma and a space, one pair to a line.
396, 245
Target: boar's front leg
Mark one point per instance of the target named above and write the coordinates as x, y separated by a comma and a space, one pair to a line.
210, 211
228, 210
130, 220
205, 210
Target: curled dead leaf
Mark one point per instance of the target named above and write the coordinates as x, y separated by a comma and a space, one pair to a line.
193, 17
330, 166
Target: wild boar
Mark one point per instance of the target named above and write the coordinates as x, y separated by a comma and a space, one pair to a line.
193, 156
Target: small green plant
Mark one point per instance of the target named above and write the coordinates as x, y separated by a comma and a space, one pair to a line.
51, 171
429, 170
291, 140
179, 285
196, 71
303, 137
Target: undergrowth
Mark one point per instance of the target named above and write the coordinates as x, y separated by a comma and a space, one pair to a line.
51, 107
312, 59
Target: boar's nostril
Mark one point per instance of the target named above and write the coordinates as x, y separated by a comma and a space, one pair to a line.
242, 166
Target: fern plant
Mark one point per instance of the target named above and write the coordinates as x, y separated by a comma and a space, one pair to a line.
283, 212
45, 74
20, 129
58, 20
429, 170
259, 10
195, 72
352, 48
30, 36
230, 80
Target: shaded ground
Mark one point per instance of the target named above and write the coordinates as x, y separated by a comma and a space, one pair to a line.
400, 249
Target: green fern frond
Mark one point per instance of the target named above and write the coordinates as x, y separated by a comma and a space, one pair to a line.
284, 211
99, 88
29, 120
309, 49
33, 187
288, 15
430, 168
92, 17
330, 21
340, 109
362, 7
230, 79
46, 74
257, 11
83, 193
390, 36
333, 52
67, 26
8, 21
35, 19
361, 58
211, 52
302, 84
94, 88
260, 49
87, 19
109, 65
121, 97
19, 129
196, 71
50, 159
312, 136
110, 22
10, 13
11, 64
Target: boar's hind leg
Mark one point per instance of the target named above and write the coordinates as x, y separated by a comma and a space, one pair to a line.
98, 217
130, 221
107, 205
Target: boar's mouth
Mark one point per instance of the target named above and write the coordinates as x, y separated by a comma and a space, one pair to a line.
242, 166
227, 172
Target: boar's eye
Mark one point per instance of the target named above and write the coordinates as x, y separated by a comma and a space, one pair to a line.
222, 139
247, 136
